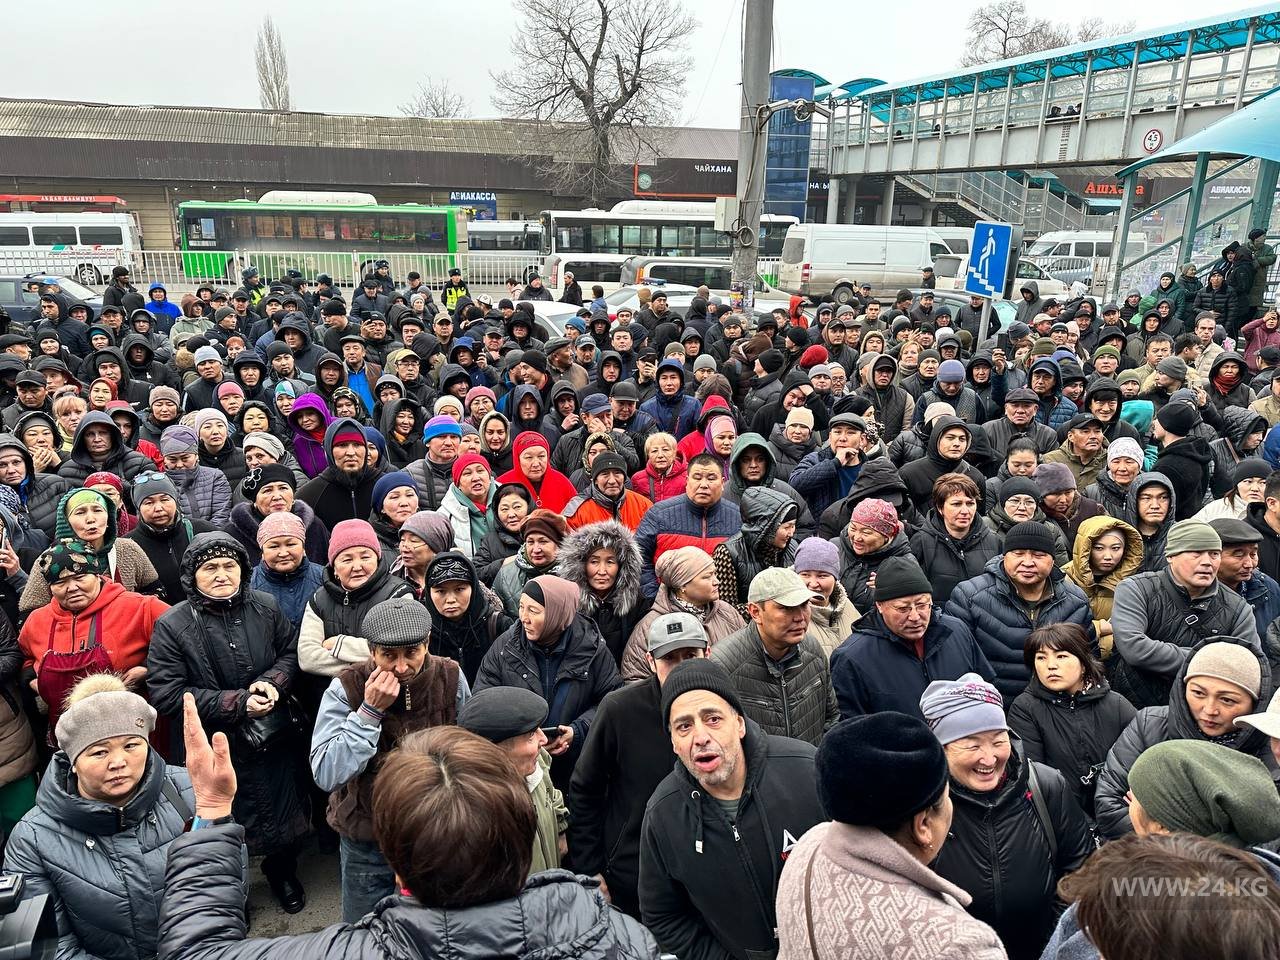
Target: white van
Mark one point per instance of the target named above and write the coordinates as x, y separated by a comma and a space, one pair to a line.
957, 238
587, 268
1072, 243
84, 246
831, 258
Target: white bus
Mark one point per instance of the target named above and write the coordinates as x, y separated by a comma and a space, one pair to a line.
598, 241
504, 236
84, 246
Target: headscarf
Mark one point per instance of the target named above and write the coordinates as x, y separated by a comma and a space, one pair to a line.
62, 526
592, 440
720, 424
70, 555
559, 598
676, 568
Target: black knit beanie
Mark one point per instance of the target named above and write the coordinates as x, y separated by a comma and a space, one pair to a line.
698, 675
1028, 535
900, 577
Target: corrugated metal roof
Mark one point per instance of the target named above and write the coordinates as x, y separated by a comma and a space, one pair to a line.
61, 119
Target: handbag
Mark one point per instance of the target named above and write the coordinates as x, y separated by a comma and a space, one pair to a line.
60, 672
282, 725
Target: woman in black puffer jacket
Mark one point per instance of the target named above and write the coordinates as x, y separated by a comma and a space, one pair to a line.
1189, 716
954, 544
232, 648
503, 539
1016, 829
1068, 717
768, 517
585, 669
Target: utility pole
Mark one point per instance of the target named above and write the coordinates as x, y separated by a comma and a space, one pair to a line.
757, 41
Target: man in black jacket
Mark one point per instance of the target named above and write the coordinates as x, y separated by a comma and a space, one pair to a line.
1183, 458
344, 489
114, 294
626, 755
718, 829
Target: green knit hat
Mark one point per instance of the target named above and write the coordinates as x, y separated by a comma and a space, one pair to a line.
1213, 791
1106, 351
1043, 347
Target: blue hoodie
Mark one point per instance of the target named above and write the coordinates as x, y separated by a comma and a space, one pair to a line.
677, 415
1271, 447
162, 306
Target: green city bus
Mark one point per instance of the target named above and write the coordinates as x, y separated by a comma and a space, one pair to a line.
338, 234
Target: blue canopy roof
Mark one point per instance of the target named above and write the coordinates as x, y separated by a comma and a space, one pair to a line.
1252, 131
1212, 34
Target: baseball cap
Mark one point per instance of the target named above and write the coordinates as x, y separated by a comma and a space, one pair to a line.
780, 584
1083, 420
675, 631
595, 403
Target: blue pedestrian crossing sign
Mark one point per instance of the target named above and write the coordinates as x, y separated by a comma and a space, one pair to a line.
989, 258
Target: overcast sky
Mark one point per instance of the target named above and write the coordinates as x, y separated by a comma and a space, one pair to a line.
350, 57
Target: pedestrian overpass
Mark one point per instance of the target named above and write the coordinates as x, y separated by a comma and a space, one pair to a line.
1091, 108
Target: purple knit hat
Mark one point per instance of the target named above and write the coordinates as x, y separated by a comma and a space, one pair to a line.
352, 533
879, 515
281, 524
814, 553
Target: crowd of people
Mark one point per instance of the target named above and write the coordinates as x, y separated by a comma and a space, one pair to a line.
830, 632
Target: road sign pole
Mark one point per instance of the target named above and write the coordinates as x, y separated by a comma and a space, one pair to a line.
983, 323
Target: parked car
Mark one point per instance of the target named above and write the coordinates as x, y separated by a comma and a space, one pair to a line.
678, 298
20, 295
949, 268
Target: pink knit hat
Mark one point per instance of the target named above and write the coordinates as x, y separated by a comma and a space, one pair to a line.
352, 533
879, 515
227, 388
282, 524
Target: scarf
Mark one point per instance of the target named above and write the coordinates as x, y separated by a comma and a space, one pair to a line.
1224, 384
684, 606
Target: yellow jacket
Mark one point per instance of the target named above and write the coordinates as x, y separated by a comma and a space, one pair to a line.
1101, 593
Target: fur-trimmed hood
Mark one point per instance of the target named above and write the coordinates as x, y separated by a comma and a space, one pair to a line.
579, 545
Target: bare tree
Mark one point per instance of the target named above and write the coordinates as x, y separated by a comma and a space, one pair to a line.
1095, 28
273, 67
436, 99
1004, 29
595, 77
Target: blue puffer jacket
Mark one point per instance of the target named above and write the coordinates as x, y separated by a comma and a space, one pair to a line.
1262, 593
988, 605
104, 866
875, 670
1056, 410
677, 415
